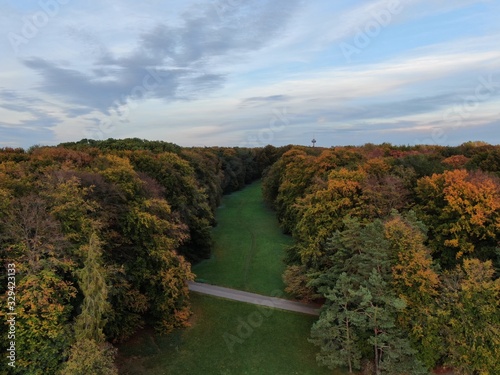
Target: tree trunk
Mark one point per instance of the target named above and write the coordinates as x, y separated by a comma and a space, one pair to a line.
348, 340
375, 346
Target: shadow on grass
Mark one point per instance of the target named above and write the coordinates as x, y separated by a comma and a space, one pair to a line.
277, 345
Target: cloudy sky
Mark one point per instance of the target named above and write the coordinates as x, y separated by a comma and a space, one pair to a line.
250, 73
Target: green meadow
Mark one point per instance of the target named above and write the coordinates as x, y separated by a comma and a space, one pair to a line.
229, 337
249, 245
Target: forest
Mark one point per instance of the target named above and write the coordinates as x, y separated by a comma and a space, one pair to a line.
402, 245
399, 243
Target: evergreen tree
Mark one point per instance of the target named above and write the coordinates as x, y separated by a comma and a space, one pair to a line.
360, 320
336, 330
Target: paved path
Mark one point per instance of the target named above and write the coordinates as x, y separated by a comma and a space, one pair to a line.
256, 299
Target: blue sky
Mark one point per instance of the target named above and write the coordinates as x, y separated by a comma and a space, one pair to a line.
241, 73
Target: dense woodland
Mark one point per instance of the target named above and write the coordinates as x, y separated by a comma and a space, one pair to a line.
400, 243
102, 235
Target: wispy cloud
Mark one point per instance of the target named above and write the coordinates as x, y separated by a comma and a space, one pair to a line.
171, 62
217, 71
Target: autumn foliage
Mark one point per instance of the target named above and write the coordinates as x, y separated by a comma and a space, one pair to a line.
403, 244
102, 234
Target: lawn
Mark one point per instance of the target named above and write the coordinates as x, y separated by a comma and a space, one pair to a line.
249, 245
228, 337
274, 343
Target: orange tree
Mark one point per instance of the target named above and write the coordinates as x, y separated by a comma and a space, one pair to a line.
462, 211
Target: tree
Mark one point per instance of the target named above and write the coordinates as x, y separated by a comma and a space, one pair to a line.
336, 331
271, 183
88, 357
393, 353
362, 308
462, 210
90, 353
298, 171
296, 281
382, 194
158, 272
92, 282
70, 206
417, 283
322, 211
32, 236
186, 197
43, 332
471, 302
456, 161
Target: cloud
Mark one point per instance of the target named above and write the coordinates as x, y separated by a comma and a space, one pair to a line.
257, 101
216, 71
30, 108
169, 62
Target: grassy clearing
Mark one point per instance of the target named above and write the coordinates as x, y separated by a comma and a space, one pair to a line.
277, 346
248, 253
248, 256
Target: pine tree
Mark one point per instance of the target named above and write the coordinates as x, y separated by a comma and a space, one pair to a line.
336, 330
361, 317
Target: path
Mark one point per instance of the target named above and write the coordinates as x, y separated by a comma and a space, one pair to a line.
256, 299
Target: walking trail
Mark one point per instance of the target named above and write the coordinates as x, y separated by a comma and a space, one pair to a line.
256, 299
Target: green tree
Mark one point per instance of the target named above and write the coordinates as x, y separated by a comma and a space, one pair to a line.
157, 270
471, 302
88, 357
336, 331
92, 282
90, 353
362, 307
392, 351
43, 333
186, 197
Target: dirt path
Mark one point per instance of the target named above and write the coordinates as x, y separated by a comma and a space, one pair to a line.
256, 299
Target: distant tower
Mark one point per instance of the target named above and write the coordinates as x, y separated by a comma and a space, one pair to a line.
313, 141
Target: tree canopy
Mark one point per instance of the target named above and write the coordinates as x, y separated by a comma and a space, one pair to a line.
394, 239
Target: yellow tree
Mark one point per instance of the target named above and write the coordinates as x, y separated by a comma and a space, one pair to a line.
298, 171
322, 211
416, 282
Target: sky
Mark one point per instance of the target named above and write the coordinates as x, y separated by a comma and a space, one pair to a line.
250, 73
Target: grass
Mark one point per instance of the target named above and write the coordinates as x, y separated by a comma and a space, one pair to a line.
248, 256
248, 253
277, 345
